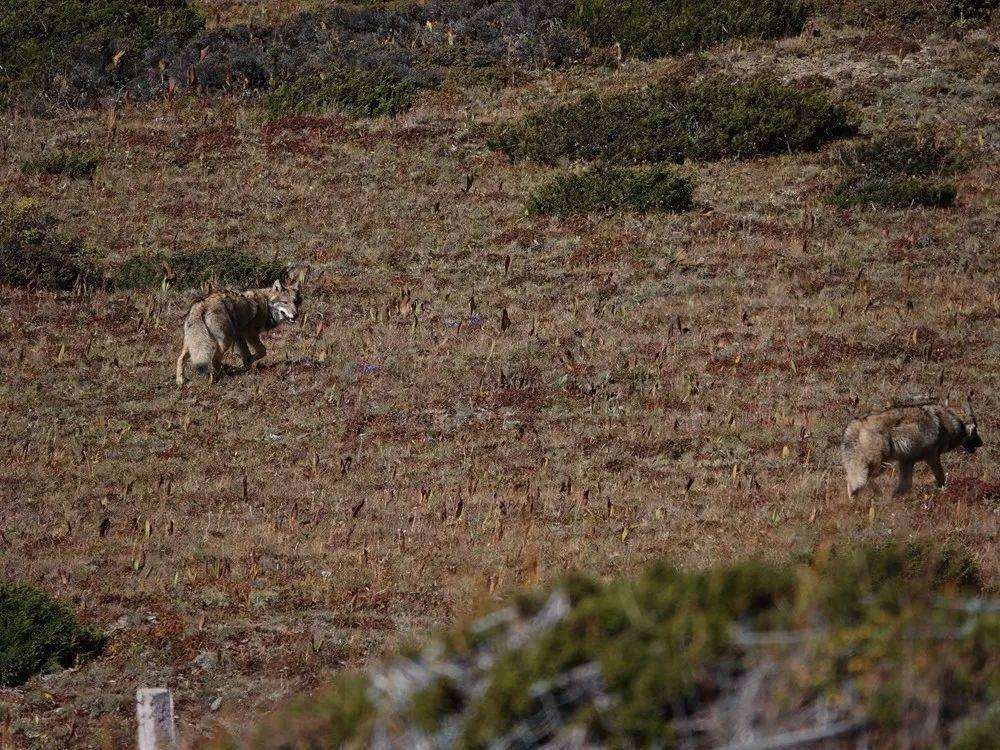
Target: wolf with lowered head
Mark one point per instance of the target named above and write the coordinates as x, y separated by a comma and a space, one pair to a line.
903, 436
228, 319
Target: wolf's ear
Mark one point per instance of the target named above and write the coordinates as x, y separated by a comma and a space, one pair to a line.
276, 286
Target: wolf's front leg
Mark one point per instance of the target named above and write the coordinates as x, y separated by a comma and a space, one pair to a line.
244, 351
934, 461
258, 349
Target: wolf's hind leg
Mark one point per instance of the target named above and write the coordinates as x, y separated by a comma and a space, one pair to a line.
180, 364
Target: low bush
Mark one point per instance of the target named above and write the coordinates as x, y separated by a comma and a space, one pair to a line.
652, 28
362, 93
39, 38
654, 188
39, 635
709, 119
897, 170
35, 255
221, 265
891, 640
911, 16
64, 162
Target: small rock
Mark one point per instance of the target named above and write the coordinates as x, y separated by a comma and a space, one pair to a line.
207, 660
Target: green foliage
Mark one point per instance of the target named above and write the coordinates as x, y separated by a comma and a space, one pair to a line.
897, 170
223, 265
654, 188
709, 119
61, 162
652, 28
39, 634
908, 15
437, 700
357, 92
35, 255
37, 35
981, 733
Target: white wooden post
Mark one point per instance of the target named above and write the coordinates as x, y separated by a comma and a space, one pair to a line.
154, 708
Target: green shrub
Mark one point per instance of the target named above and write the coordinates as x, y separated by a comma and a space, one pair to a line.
654, 188
361, 93
62, 162
709, 119
225, 266
897, 170
652, 28
907, 15
35, 255
982, 732
39, 635
36, 36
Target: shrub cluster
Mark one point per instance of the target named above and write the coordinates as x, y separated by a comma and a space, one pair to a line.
897, 170
66, 162
40, 38
221, 265
709, 119
655, 188
653, 28
33, 254
39, 634
883, 633
908, 15
362, 93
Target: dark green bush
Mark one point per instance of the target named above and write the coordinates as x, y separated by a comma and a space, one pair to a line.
654, 188
362, 93
35, 255
39, 634
708, 119
61, 162
652, 28
907, 15
36, 36
225, 266
897, 170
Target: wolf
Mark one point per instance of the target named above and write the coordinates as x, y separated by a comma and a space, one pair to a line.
903, 436
227, 319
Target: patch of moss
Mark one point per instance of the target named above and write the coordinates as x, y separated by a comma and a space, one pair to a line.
190, 270
712, 118
654, 188
357, 92
66, 162
897, 170
36, 36
652, 28
35, 255
39, 634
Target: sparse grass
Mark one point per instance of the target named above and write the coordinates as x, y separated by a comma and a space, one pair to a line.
897, 170
35, 255
652, 28
361, 93
910, 16
65, 162
39, 635
709, 119
36, 36
654, 188
225, 266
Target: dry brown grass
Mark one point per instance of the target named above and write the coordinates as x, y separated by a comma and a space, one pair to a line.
670, 384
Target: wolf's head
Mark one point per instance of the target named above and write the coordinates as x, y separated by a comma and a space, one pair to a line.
284, 301
971, 441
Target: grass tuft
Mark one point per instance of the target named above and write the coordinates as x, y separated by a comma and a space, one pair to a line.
39, 635
361, 93
653, 28
709, 119
654, 188
33, 254
897, 170
221, 265
65, 162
